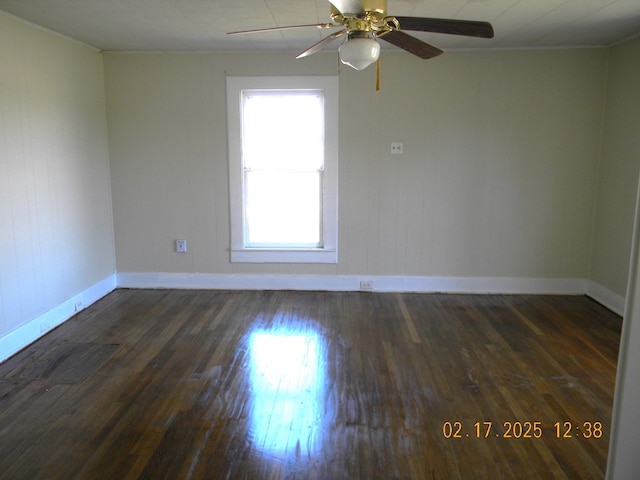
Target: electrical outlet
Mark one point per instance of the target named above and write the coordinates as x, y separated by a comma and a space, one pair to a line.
397, 148
366, 285
181, 246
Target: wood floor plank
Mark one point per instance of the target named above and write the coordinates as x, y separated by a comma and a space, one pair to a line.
315, 385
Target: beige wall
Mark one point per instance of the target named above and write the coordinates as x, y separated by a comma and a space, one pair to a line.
620, 165
56, 229
498, 176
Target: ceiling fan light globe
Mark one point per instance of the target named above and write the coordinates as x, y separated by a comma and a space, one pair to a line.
359, 53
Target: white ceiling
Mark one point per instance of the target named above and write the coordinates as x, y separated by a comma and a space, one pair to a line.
201, 25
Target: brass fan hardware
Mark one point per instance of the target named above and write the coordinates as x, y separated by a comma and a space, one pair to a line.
365, 21
374, 19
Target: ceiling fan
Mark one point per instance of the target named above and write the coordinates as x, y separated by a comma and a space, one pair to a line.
365, 21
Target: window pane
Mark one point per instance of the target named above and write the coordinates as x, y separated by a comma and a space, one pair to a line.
283, 130
283, 208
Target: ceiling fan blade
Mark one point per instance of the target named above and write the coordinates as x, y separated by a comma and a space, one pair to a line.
289, 27
411, 44
348, 6
316, 47
468, 28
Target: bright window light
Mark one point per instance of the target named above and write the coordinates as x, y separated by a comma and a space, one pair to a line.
283, 162
283, 208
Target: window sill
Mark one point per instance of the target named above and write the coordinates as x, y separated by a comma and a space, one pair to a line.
265, 255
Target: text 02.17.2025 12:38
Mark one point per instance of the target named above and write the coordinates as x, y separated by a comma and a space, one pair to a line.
527, 429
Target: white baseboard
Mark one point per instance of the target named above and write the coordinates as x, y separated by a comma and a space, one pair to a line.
28, 333
352, 283
383, 283
606, 297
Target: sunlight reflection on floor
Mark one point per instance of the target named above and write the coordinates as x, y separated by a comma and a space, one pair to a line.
287, 380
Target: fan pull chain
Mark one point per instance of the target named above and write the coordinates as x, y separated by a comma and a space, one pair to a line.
378, 76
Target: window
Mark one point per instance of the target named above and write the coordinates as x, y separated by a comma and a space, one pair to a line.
283, 135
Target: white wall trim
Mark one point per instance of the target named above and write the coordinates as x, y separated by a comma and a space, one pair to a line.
606, 297
383, 283
31, 331
509, 285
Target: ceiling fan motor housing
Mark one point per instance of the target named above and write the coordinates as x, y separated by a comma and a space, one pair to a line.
376, 10
375, 6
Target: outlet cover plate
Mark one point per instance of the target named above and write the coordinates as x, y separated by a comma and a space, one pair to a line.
397, 148
181, 246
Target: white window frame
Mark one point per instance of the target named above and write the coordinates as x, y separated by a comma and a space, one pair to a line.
327, 252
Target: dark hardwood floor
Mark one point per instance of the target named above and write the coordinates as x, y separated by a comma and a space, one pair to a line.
155, 384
